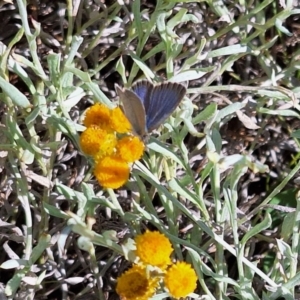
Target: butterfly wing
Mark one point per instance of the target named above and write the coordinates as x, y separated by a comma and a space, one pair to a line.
134, 110
143, 90
162, 101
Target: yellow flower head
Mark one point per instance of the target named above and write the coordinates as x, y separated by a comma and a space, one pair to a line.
130, 148
111, 172
134, 284
99, 115
96, 140
180, 280
119, 122
153, 248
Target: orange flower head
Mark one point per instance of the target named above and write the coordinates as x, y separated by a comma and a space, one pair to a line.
153, 248
119, 122
111, 172
180, 279
95, 140
134, 284
99, 115
130, 148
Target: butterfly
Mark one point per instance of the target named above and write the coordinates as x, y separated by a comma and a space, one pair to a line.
147, 106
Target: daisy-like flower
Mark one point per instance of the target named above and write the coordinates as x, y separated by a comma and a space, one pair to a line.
180, 280
130, 148
111, 171
134, 284
95, 140
153, 248
119, 122
99, 115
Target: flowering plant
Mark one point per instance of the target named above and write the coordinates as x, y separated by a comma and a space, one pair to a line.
153, 266
108, 140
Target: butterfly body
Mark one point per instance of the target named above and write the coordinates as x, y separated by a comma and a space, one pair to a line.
147, 106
